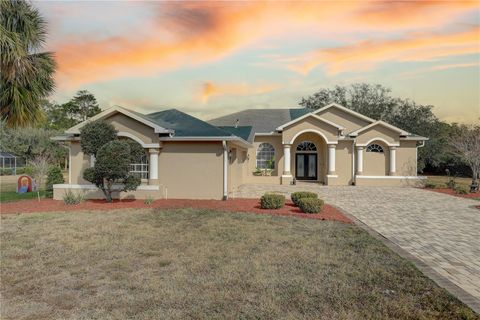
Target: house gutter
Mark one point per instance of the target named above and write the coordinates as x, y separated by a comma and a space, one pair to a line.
225, 170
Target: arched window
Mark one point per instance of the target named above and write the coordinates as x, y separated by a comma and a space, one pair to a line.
306, 146
375, 148
265, 156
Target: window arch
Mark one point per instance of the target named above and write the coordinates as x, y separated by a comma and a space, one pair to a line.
266, 156
375, 148
307, 146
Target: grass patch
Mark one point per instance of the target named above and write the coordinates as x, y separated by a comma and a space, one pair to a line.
146, 264
9, 196
442, 180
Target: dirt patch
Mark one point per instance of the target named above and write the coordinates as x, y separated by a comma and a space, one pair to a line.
452, 193
232, 205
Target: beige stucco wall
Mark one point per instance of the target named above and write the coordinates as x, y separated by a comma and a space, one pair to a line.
343, 163
376, 163
78, 163
58, 194
310, 123
378, 131
344, 119
236, 166
407, 158
125, 124
191, 170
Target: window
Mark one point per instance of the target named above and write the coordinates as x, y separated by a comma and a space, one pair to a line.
374, 148
265, 156
307, 146
140, 169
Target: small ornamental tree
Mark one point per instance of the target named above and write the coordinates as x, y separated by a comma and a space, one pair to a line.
95, 135
54, 176
113, 157
466, 144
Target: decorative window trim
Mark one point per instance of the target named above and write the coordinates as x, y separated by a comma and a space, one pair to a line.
306, 147
375, 148
265, 156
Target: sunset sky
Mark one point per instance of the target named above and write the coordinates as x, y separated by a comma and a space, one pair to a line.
213, 58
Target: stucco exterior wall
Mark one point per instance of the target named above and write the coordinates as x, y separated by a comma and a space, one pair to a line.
191, 170
90, 193
343, 163
378, 131
125, 124
407, 158
78, 163
310, 123
237, 166
376, 163
344, 119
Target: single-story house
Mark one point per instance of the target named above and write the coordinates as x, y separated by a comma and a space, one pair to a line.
186, 157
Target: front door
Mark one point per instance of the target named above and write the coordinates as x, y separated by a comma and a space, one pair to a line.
306, 166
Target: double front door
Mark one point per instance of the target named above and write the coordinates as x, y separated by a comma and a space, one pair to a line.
306, 166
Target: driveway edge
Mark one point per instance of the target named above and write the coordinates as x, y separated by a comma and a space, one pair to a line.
443, 282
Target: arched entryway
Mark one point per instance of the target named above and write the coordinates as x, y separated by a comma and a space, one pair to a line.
309, 157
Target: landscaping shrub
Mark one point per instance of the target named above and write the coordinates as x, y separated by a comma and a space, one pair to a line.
310, 205
54, 176
6, 172
296, 196
272, 201
461, 189
451, 184
430, 185
148, 200
71, 197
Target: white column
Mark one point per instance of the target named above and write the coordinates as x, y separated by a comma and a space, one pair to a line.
359, 160
393, 156
153, 164
286, 159
331, 158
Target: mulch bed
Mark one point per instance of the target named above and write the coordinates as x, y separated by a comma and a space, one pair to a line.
452, 193
232, 205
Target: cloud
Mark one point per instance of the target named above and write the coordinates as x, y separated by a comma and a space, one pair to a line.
210, 89
441, 67
365, 55
186, 34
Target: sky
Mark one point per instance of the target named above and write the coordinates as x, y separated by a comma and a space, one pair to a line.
213, 58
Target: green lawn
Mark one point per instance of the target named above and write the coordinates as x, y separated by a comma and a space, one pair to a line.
442, 180
152, 264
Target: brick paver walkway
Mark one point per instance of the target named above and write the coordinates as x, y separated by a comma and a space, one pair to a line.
441, 231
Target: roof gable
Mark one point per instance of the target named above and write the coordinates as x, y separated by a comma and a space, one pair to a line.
280, 128
347, 110
117, 109
379, 123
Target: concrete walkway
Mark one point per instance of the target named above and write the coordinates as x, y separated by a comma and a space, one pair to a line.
440, 233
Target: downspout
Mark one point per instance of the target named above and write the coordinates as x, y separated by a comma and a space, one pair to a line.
225, 170
354, 175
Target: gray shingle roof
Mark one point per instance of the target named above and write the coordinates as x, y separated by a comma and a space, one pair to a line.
185, 125
261, 120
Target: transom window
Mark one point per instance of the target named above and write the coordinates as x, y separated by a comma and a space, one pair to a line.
265, 156
375, 148
307, 146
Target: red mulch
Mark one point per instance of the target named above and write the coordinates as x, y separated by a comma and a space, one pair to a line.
452, 193
232, 205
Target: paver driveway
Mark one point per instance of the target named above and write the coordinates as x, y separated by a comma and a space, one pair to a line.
440, 230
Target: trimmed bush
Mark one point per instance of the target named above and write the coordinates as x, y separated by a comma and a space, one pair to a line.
296, 196
461, 189
272, 201
71, 198
54, 176
310, 205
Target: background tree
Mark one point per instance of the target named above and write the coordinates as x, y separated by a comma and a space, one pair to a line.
26, 75
112, 158
466, 144
83, 106
375, 101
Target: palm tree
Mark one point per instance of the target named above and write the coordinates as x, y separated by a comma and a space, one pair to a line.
26, 75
